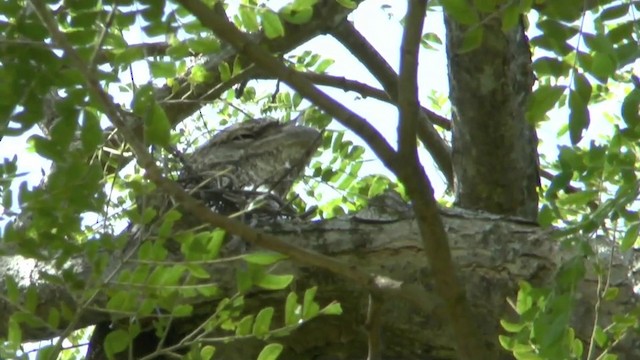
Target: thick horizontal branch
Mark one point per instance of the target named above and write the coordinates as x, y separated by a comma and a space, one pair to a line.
492, 254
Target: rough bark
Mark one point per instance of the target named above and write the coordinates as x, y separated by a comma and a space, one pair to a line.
494, 147
493, 253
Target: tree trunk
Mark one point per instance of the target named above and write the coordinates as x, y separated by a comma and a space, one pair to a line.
494, 147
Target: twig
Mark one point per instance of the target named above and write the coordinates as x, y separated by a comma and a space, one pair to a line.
103, 35
408, 82
358, 45
372, 92
374, 327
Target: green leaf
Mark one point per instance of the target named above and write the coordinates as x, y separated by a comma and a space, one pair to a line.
630, 110
199, 74
579, 117
244, 326
582, 86
548, 66
115, 342
349, 4
148, 214
178, 50
296, 14
543, 99
225, 71
524, 300
121, 301
31, 300
53, 318
264, 258
47, 352
512, 327
603, 67
570, 273
162, 69
143, 100
332, 309
237, 66
472, 40
274, 282
430, 38
91, 131
14, 334
157, 128
486, 6
291, 310
579, 198
182, 310
324, 65
600, 336
207, 352
249, 19
208, 291
461, 11
263, 321
556, 31
12, 290
614, 12
129, 55
168, 220
309, 307
197, 271
621, 32
611, 293
272, 25
630, 237
272, 351
506, 342
510, 17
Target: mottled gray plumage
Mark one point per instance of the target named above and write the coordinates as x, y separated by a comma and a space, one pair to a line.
261, 154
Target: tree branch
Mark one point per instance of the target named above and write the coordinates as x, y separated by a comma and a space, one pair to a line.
366, 90
408, 107
358, 45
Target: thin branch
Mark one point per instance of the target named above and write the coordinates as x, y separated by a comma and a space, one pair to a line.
102, 57
358, 45
366, 90
103, 36
569, 189
374, 327
408, 107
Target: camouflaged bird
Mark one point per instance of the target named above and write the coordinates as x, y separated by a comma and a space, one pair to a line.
247, 159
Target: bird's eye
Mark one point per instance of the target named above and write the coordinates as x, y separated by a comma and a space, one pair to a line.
245, 136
